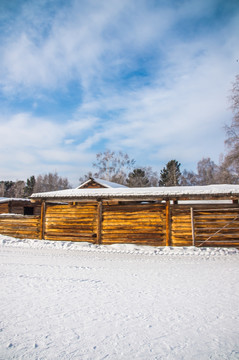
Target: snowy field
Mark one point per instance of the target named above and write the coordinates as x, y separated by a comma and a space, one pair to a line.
80, 301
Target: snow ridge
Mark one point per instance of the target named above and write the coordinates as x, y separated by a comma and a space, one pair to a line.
117, 248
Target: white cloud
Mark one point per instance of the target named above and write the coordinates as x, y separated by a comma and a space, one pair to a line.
176, 110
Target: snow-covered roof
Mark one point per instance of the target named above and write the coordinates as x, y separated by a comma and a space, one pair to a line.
153, 193
104, 183
5, 199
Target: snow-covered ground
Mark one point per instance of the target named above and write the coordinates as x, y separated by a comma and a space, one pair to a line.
62, 300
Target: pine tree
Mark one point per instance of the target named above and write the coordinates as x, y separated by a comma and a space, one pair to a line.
170, 175
29, 188
137, 178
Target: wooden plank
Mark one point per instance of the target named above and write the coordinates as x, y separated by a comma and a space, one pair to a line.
168, 223
192, 226
42, 221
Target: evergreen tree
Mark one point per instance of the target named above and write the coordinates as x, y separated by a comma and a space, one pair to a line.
170, 175
137, 178
29, 187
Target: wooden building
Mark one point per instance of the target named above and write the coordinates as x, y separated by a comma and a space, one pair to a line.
20, 218
95, 183
19, 206
162, 216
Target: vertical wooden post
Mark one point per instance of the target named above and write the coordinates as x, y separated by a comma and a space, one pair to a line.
193, 228
168, 223
99, 221
10, 206
42, 223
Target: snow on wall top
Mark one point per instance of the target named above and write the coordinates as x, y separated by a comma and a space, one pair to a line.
5, 199
215, 191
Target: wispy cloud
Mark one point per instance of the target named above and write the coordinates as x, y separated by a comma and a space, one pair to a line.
149, 78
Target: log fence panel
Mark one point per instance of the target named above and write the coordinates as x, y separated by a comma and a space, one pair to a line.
20, 226
138, 224
216, 227
71, 222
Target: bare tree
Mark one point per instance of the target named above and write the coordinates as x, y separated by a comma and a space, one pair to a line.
2, 188
50, 182
207, 172
18, 189
188, 178
232, 131
113, 166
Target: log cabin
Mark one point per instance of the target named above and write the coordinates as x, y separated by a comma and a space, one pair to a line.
20, 206
20, 218
160, 216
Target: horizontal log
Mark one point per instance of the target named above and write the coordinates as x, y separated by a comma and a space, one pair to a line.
215, 215
182, 238
70, 238
70, 233
70, 223
71, 216
133, 232
142, 237
135, 207
181, 226
65, 210
20, 219
140, 222
216, 224
134, 217
218, 236
217, 244
179, 244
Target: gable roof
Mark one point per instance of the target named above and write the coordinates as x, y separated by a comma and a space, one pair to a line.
102, 183
144, 193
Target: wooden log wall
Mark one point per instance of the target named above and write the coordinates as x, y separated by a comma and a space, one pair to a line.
20, 226
72, 222
134, 223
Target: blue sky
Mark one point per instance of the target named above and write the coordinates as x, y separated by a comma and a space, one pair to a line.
147, 77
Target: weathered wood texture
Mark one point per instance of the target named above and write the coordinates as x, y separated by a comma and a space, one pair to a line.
15, 206
181, 230
20, 226
92, 185
71, 222
214, 227
136, 223
4, 209
131, 223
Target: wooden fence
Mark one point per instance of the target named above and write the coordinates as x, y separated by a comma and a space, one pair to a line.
20, 226
157, 224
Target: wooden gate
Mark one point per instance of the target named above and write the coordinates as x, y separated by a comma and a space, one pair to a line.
215, 226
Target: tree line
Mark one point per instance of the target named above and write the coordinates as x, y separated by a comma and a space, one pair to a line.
41, 183
120, 168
